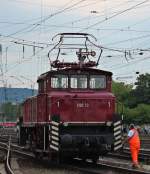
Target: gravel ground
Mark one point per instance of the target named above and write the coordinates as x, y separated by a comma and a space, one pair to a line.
2, 169
25, 166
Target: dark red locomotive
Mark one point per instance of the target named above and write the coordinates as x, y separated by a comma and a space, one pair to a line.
74, 113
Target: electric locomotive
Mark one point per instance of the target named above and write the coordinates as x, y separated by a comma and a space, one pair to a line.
74, 113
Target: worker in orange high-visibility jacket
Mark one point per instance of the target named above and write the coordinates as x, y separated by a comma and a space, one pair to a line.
134, 144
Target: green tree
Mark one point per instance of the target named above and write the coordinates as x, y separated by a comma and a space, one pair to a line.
11, 111
139, 114
135, 101
122, 91
142, 90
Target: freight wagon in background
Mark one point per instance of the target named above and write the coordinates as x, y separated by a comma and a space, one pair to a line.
74, 113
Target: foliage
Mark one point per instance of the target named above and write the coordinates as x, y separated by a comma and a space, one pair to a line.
10, 111
136, 102
122, 91
139, 114
142, 90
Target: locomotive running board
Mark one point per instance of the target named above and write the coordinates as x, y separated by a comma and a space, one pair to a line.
117, 135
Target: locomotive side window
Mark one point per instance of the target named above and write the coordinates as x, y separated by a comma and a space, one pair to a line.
97, 81
59, 81
41, 86
78, 81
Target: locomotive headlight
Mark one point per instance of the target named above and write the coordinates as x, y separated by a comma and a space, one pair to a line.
108, 123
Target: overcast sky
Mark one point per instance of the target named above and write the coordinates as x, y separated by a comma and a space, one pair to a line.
120, 25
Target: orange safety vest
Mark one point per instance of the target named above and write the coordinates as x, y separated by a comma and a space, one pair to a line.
134, 140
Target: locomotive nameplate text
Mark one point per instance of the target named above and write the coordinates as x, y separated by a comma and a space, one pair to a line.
82, 105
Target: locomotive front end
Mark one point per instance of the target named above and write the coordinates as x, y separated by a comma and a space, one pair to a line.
84, 122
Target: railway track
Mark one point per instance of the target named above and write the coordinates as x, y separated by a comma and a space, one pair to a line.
103, 166
6, 147
6, 133
127, 156
142, 150
5, 139
10, 148
7, 161
145, 141
121, 167
17, 150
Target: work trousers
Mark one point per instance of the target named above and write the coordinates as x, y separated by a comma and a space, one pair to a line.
134, 153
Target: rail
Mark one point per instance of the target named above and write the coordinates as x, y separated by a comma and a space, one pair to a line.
103, 166
7, 162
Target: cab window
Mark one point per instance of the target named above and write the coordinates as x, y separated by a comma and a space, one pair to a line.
41, 86
97, 81
59, 81
78, 81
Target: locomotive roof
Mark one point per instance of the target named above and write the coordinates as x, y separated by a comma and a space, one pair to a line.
42, 76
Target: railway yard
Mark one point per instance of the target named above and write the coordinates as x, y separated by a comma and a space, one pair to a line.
19, 160
74, 87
